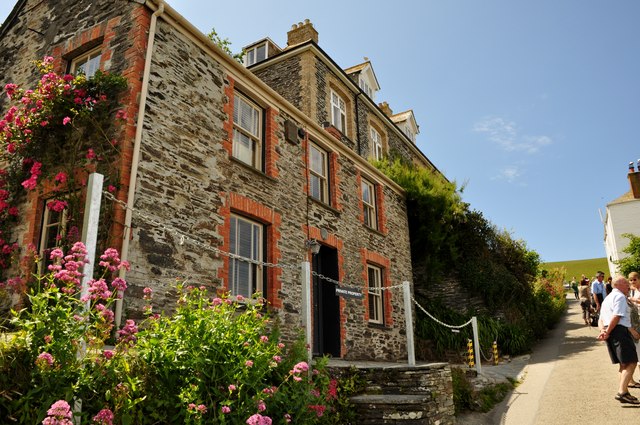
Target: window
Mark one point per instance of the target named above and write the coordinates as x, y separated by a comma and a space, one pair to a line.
87, 64
245, 240
366, 87
318, 173
338, 112
54, 229
255, 54
247, 131
409, 132
374, 275
369, 204
376, 145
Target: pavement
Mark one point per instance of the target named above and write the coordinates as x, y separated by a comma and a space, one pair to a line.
568, 379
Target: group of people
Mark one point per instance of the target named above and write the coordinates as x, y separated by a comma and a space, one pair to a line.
619, 324
591, 294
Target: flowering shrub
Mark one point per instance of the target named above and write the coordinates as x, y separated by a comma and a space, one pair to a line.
56, 132
214, 361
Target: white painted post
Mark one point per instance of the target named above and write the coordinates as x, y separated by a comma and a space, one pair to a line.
305, 280
476, 343
90, 228
90, 240
408, 317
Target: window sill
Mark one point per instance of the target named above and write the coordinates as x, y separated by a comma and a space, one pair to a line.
251, 168
374, 325
324, 205
372, 230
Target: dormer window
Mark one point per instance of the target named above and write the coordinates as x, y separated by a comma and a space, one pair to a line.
364, 85
409, 132
256, 54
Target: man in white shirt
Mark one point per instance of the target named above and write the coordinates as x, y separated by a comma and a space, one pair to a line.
614, 329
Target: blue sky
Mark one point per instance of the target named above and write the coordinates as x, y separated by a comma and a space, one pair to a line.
533, 106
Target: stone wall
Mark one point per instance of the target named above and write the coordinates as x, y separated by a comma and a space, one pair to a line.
188, 180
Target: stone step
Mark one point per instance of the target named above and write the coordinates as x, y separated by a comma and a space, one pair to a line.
380, 409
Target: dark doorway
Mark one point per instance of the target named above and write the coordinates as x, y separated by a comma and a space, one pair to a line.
326, 304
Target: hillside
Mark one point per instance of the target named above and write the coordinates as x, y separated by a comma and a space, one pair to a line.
576, 268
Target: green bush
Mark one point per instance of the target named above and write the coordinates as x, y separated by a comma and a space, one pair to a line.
215, 361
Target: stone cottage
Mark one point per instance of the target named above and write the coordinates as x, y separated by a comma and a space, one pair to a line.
233, 173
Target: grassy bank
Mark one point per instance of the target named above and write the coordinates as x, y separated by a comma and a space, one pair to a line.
576, 268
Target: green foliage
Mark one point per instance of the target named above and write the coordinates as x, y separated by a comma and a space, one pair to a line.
631, 263
434, 210
215, 361
466, 398
577, 268
225, 45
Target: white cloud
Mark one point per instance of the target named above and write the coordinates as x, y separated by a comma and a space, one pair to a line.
509, 173
505, 134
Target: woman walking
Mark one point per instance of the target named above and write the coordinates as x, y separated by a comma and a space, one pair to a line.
585, 300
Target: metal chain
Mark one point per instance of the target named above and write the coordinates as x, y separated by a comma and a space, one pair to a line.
438, 321
185, 238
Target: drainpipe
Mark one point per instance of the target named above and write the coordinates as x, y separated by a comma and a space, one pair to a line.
135, 160
358, 123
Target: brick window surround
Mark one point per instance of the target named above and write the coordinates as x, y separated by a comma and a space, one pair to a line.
384, 263
241, 205
270, 128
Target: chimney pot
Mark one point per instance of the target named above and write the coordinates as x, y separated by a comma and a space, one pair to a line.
634, 180
301, 33
632, 167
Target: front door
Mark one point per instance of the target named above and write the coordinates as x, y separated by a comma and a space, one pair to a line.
326, 304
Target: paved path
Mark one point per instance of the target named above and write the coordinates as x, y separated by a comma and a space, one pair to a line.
569, 380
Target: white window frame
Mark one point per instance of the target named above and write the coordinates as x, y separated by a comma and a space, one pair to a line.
376, 145
87, 63
253, 56
248, 138
369, 204
409, 132
251, 271
54, 229
364, 85
338, 112
375, 294
318, 173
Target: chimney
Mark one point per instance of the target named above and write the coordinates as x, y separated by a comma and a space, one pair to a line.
303, 31
384, 106
634, 180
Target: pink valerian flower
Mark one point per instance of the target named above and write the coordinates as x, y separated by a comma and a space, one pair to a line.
261, 406
48, 339
258, 419
66, 120
280, 345
332, 392
119, 284
57, 205
216, 301
248, 363
232, 388
59, 414
108, 354
226, 409
98, 290
111, 188
56, 254
44, 360
277, 358
10, 89
30, 183
147, 293
127, 335
287, 418
300, 367
91, 154
104, 417
264, 339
